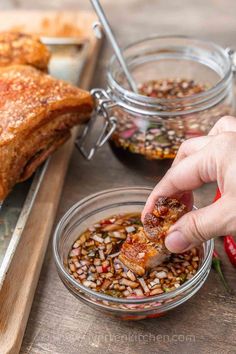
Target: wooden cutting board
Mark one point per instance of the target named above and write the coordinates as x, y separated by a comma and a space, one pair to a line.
18, 290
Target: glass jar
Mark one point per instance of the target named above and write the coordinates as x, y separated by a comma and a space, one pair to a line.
153, 128
101, 206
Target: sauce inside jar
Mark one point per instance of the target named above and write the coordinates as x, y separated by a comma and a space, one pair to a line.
157, 139
93, 261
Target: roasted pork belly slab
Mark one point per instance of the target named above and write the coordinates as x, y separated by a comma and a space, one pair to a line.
138, 253
166, 212
36, 115
21, 48
146, 248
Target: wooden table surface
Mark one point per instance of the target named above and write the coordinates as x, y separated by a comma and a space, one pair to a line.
59, 323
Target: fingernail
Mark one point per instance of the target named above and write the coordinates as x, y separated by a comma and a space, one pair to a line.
176, 242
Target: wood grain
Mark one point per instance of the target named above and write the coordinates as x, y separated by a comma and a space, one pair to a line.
60, 324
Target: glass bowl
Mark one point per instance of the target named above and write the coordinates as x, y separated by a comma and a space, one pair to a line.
101, 205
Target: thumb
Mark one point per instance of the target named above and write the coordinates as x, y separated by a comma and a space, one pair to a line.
199, 226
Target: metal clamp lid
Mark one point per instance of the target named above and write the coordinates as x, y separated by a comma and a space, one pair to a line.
232, 55
103, 105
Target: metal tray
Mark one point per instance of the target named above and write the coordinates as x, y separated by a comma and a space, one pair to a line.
66, 63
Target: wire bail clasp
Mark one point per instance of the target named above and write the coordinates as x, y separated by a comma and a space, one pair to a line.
103, 105
232, 55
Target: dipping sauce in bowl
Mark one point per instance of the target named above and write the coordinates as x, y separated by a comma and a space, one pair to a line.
93, 261
86, 248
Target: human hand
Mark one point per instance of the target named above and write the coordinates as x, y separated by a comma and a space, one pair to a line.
201, 160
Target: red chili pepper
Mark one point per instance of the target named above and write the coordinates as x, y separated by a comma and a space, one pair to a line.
215, 254
229, 242
230, 249
218, 195
105, 269
216, 263
106, 222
